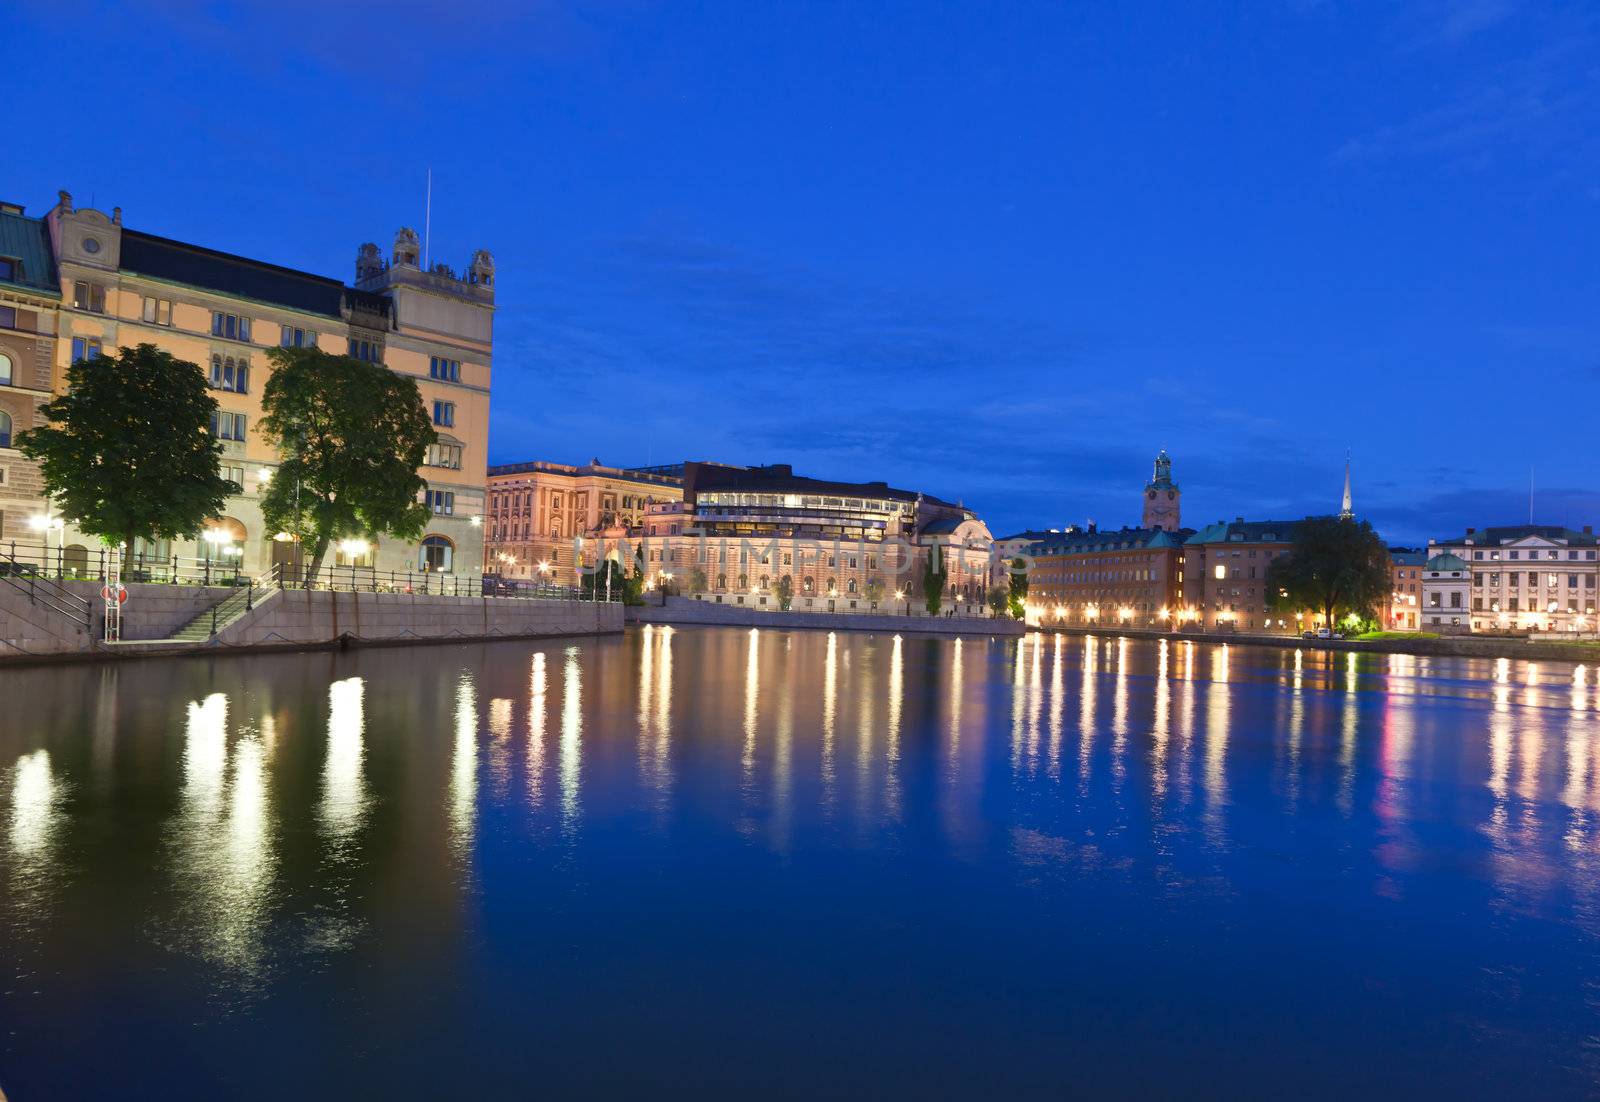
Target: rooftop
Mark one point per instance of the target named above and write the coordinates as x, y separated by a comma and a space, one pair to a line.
780, 478
1078, 541
1491, 537
196, 266
28, 240
1240, 530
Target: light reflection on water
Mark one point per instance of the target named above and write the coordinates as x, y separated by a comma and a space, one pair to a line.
1115, 813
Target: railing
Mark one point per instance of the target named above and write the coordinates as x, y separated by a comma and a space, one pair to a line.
364, 579
90, 564
25, 577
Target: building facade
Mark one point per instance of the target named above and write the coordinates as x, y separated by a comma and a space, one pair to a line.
1404, 609
1163, 500
122, 287
1524, 579
740, 532
1446, 589
542, 516
1131, 577
30, 304
1225, 572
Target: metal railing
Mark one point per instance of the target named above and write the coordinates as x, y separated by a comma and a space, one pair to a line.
26, 577
90, 564
366, 579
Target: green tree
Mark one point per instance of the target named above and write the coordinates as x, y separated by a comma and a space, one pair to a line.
934, 579
352, 435
785, 592
875, 588
1337, 565
609, 577
999, 599
697, 580
128, 453
1018, 588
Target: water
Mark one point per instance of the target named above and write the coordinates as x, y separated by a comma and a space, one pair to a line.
715, 861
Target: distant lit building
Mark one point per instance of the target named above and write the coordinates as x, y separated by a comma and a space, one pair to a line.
843, 546
30, 304
1446, 588
1404, 608
1523, 578
1129, 577
1225, 575
543, 515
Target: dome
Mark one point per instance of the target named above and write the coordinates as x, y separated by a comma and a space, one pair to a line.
1445, 562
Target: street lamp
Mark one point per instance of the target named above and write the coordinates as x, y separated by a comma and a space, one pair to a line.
47, 524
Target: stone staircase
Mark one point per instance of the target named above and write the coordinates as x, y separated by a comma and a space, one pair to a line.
215, 618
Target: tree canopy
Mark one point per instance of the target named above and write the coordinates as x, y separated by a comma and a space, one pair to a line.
1018, 588
128, 453
934, 579
1337, 565
352, 435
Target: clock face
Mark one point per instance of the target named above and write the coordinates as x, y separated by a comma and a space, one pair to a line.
91, 245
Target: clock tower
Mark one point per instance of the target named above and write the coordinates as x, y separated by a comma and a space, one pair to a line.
1162, 497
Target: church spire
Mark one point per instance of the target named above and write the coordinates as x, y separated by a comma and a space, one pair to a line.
1346, 509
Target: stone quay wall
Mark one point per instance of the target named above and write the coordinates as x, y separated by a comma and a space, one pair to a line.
1453, 646
686, 610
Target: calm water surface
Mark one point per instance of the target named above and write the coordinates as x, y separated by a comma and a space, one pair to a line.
712, 860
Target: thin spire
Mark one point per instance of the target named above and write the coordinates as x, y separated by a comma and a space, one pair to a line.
1346, 508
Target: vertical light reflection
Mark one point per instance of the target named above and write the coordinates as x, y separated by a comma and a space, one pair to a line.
1086, 689
1348, 716
464, 766
1058, 704
897, 692
344, 793
864, 737
1019, 703
1218, 716
647, 685
1187, 727
1500, 735
954, 745
752, 692
1119, 716
1159, 728
1297, 729
205, 758
500, 725
34, 795
571, 762
538, 704
662, 751
783, 764
830, 708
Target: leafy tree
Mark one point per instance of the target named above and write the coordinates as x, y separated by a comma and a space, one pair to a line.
1018, 588
129, 453
999, 599
697, 580
1337, 564
875, 588
623, 587
352, 435
934, 580
785, 592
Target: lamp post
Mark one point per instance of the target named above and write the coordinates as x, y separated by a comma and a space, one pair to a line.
46, 524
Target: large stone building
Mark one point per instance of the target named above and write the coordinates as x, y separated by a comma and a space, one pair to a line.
1130, 577
30, 303
843, 546
1163, 500
1528, 578
120, 286
543, 516
1225, 572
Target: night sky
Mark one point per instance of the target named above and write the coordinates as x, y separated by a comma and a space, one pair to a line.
998, 252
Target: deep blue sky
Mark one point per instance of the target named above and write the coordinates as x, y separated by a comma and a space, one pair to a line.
999, 252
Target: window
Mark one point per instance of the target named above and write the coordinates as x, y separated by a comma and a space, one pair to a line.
440, 368
230, 326
297, 338
5, 370
5, 429
230, 374
157, 311
436, 555
8, 317
89, 296
228, 426
442, 502
444, 413
234, 475
371, 351
85, 348
444, 455
10, 269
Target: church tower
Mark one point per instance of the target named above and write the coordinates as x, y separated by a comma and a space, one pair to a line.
1162, 497
1347, 506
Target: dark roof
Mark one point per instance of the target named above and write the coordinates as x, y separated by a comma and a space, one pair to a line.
943, 526
1247, 531
28, 240
1030, 535
1084, 541
1492, 537
195, 266
1407, 556
619, 474
780, 478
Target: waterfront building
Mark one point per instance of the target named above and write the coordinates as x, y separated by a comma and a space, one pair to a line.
1446, 586
1523, 578
1129, 577
1404, 609
122, 287
30, 303
844, 546
1225, 572
542, 516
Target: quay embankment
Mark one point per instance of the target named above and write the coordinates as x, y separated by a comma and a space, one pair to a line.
64, 621
1451, 646
687, 610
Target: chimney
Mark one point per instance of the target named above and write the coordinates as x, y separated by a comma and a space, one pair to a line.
10, 208
1472, 531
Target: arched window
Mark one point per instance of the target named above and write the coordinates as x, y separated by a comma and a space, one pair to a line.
436, 555
722, 581
833, 587
5, 369
5, 429
744, 581
851, 587
765, 581
808, 586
